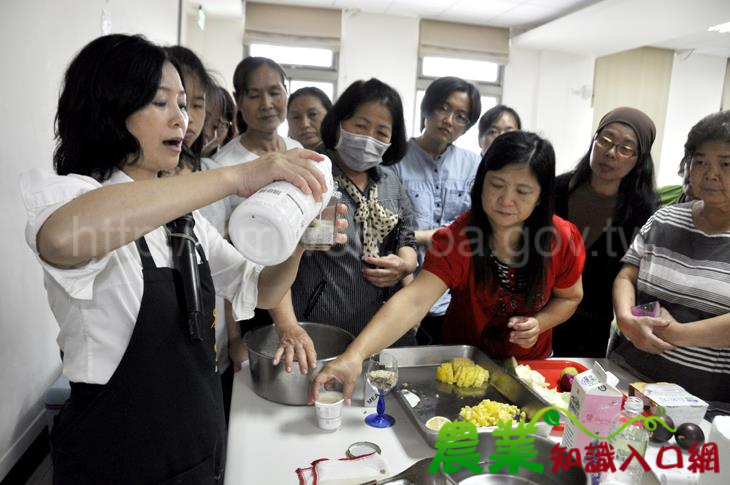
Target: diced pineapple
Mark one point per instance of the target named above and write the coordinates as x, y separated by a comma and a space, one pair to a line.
459, 362
463, 372
445, 373
489, 413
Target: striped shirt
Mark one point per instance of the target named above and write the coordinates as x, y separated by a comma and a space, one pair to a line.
688, 272
330, 286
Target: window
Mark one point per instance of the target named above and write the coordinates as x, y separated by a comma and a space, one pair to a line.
305, 56
304, 66
487, 76
480, 71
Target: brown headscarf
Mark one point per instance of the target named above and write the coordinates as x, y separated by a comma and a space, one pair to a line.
637, 120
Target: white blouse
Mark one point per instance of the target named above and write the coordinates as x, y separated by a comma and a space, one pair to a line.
96, 305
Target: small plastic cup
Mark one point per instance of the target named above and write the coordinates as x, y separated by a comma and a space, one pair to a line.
321, 232
329, 410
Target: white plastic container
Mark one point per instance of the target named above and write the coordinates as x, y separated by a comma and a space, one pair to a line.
266, 227
329, 410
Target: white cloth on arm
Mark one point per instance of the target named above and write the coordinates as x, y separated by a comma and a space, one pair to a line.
96, 304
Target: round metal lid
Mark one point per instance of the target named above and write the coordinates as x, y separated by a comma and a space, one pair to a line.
362, 448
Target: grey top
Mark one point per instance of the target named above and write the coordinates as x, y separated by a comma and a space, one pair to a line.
688, 272
346, 299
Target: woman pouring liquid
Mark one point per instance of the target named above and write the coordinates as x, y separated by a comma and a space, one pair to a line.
146, 402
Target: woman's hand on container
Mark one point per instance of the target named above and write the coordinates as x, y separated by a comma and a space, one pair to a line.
390, 270
295, 341
344, 369
294, 166
525, 331
640, 332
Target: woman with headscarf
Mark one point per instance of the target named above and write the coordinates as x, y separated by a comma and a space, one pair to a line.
608, 196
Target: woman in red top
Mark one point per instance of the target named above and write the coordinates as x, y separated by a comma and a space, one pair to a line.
513, 268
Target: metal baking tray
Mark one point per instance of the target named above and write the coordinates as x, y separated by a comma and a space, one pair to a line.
417, 375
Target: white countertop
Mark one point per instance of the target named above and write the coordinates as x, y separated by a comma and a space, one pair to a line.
267, 441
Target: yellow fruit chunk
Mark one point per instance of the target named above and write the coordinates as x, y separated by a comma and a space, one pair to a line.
445, 373
463, 372
459, 362
489, 413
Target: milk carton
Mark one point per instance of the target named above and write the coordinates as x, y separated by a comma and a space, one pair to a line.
595, 403
671, 399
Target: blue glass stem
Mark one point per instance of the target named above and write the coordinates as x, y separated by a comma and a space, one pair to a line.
381, 404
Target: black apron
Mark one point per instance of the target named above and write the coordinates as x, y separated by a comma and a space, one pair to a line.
160, 417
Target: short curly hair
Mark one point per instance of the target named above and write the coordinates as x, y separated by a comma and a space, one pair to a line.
713, 127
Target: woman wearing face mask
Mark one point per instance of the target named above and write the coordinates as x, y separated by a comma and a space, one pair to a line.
362, 134
512, 266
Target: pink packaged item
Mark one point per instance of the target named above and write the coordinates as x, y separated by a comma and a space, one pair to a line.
595, 403
650, 309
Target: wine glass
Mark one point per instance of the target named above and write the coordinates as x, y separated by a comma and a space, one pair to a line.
382, 375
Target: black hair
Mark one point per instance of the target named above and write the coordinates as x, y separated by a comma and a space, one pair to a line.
111, 78
438, 92
492, 115
191, 65
637, 196
242, 76
361, 92
713, 127
311, 91
228, 110
518, 147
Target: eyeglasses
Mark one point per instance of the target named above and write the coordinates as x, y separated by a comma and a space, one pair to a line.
460, 118
222, 126
607, 143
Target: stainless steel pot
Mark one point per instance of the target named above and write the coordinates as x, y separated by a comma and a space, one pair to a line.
273, 382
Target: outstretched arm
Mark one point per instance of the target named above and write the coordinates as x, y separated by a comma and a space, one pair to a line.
403, 311
110, 217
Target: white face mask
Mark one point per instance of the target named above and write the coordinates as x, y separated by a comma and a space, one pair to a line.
360, 152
